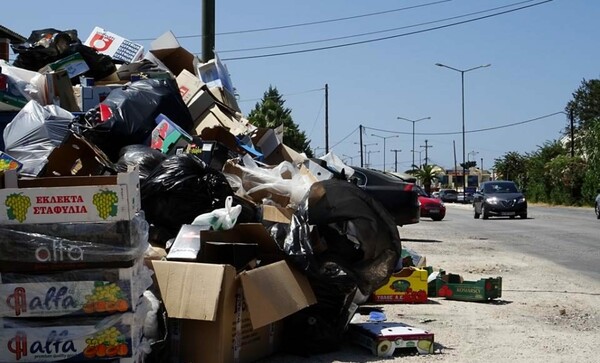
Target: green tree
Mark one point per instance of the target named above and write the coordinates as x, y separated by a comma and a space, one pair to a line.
271, 113
512, 166
585, 108
539, 184
427, 174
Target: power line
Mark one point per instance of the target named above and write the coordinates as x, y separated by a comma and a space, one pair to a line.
470, 131
344, 138
286, 95
385, 38
373, 32
308, 23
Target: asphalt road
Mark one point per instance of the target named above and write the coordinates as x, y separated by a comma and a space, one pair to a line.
565, 235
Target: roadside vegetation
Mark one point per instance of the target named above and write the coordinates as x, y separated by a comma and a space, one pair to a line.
565, 171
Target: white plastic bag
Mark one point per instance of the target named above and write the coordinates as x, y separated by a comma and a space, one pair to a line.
220, 219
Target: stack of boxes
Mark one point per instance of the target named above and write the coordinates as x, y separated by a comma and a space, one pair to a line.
71, 270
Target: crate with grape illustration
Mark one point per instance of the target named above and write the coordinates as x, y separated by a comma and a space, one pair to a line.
76, 339
106, 198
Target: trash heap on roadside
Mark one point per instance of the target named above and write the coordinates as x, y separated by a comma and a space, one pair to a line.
145, 219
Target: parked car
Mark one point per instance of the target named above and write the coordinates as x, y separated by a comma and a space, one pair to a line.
499, 198
466, 198
597, 205
397, 196
449, 195
431, 207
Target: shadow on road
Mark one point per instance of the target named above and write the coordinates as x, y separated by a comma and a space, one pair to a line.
420, 240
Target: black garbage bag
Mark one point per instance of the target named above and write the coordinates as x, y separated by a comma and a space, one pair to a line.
181, 188
42, 47
361, 236
359, 248
142, 156
127, 115
48, 45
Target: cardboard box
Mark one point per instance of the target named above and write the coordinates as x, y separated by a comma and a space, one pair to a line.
225, 97
77, 157
215, 74
168, 137
88, 97
266, 140
69, 199
227, 317
59, 90
453, 287
166, 51
114, 45
408, 285
189, 85
73, 64
285, 153
76, 339
383, 338
217, 115
73, 293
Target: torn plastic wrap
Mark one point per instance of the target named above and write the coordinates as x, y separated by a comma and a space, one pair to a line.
282, 184
58, 246
181, 188
33, 133
23, 83
96, 339
81, 292
127, 115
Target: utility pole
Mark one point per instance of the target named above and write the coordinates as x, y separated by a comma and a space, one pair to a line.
208, 30
396, 151
326, 118
455, 165
360, 129
426, 148
572, 134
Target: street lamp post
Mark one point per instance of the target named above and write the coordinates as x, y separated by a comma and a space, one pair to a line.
384, 138
413, 133
363, 149
462, 78
417, 151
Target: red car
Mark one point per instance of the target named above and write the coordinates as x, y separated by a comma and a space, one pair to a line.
433, 208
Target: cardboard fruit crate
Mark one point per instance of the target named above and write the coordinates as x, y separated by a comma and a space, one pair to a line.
408, 285
384, 338
453, 287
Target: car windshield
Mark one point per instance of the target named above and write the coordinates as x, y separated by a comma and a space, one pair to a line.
500, 188
420, 191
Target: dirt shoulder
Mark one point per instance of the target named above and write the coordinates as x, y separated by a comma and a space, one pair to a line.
546, 314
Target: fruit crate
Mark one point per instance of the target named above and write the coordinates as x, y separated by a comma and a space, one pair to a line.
453, 287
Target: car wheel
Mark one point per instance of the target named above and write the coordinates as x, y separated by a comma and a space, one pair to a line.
597, 209
484, 212
523, 215
437, 218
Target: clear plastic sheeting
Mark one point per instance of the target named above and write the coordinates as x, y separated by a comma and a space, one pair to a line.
56, 246
284, 180
34, 132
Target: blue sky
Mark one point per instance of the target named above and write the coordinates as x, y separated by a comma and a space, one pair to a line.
539, 57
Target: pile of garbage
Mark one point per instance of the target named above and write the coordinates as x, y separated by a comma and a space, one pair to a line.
130, 178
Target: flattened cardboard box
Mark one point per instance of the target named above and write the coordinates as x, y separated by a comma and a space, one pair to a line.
229, 318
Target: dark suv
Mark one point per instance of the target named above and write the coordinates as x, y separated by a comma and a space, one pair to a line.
499, 198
